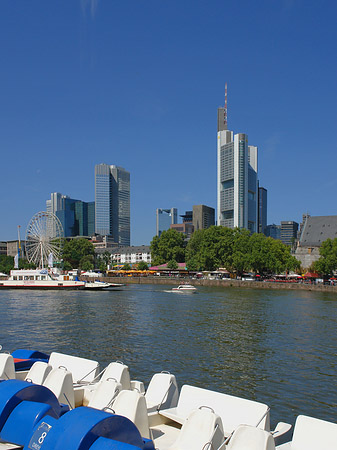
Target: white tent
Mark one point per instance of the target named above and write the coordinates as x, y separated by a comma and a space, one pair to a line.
90, 274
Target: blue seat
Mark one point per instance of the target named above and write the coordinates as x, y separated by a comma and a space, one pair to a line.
86, 428
22, 406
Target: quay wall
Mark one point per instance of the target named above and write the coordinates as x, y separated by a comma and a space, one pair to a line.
220, 283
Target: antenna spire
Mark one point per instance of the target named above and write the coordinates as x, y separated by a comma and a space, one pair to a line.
225, 112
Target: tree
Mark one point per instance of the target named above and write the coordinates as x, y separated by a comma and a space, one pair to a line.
172, 264
142, 265
87, 262
6, 263
327, 263
75, 251
126, 267
210, 248
170, 245
240, 260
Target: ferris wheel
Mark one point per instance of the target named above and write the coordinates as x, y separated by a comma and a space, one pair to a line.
44, 239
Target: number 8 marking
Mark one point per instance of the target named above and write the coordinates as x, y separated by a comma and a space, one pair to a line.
41, 438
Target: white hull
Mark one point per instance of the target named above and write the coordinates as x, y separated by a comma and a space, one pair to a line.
39, 279
8, 284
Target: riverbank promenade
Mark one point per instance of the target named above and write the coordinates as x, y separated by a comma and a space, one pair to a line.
223, 283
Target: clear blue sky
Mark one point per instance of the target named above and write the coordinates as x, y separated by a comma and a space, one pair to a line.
138, 83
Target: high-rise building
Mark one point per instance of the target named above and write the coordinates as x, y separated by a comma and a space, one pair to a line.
262, 210
237, 186
76, 217
203, 217
273, 231
289, 230
165, 218
112, 202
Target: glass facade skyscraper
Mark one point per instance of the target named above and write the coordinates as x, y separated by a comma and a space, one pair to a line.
112, 202
76, 217
165, 218
237, 185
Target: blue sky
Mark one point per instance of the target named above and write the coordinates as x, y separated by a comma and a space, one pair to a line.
137, 83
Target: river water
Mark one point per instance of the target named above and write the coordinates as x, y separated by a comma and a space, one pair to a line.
276, 347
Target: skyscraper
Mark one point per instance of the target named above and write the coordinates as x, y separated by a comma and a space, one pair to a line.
262, 222
203, 217
112, 202
165, 218
237, 186
76, 216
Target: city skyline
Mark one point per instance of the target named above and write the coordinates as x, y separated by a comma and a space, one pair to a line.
82, 85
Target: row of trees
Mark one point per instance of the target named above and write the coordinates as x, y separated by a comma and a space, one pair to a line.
327, 263
235, 249
7, 264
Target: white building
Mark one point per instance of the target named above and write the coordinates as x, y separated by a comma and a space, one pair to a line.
237, 183
128, 254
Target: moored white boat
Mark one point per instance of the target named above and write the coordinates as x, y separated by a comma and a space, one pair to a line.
39, 279
101, 285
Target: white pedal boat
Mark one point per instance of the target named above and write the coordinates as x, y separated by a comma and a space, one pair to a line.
197, 419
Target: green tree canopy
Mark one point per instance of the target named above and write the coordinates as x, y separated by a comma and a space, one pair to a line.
238, 251
172, 264
142, 265
78, 254
6, 263
327, 263
169, 246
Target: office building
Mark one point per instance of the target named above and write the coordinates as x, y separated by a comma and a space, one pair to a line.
203, 217
262, 210
76, 216
289, 230
13, 248
3, 248
165, 218
237, 182
112, 202
187, 217
186, 228
273, 231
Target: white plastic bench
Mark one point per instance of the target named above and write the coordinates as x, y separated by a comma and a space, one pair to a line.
82, 369
233, 411
312, 434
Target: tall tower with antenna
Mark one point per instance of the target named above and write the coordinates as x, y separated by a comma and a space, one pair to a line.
237, 184
222, 114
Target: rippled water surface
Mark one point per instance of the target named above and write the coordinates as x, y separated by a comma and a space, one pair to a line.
276, 347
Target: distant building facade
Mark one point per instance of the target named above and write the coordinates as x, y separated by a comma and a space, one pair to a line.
237, 181
203, 217
289, 230
165, 218
13, 248
77, 217
187, 228
112, 202
3, 248
314, 231
273, 231
128, 254
262, 210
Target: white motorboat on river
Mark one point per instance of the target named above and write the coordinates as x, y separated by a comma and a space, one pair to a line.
185, 288
39, 279
107, 410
